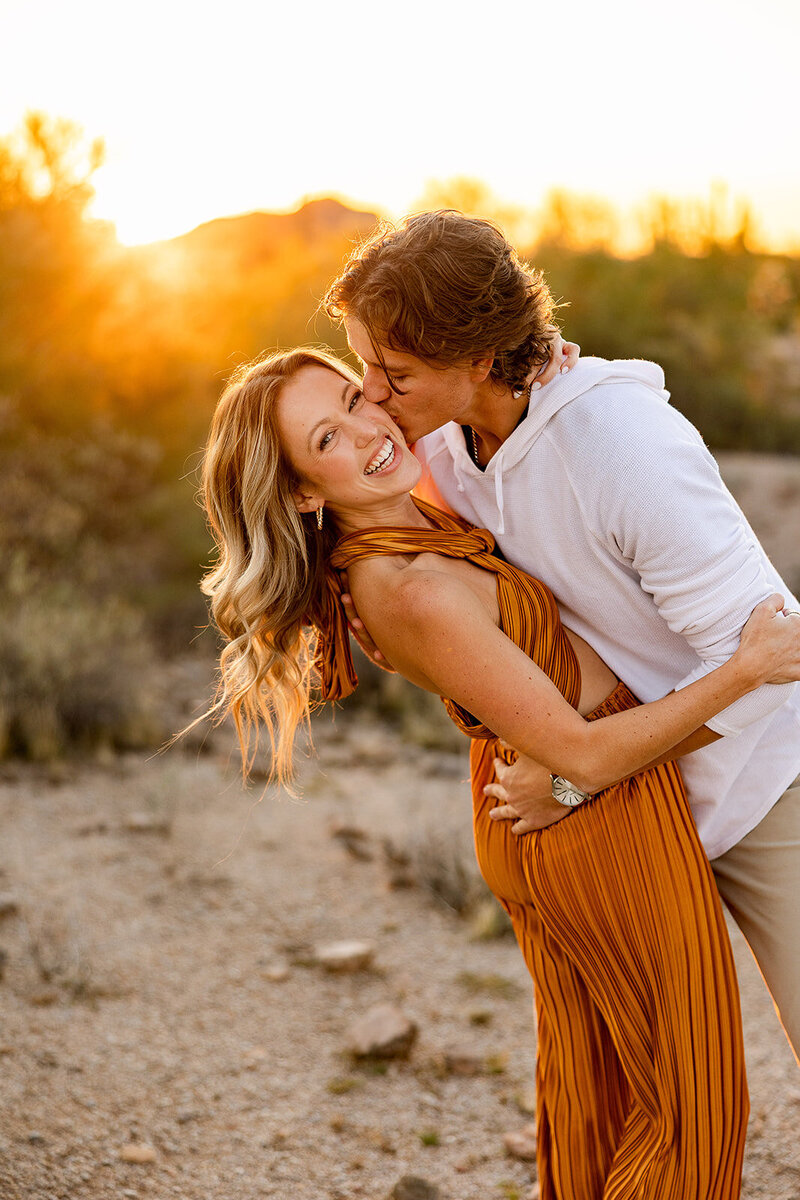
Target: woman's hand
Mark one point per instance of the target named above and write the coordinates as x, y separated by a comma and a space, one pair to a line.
563, 356
770, 643
525, 796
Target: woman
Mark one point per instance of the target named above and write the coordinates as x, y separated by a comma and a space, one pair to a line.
641, 1088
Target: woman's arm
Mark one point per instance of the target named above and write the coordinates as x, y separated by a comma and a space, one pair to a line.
437, 631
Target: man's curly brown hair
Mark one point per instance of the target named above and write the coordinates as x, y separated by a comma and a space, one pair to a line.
448, 289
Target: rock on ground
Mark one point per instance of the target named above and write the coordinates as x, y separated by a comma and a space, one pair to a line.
383, 1032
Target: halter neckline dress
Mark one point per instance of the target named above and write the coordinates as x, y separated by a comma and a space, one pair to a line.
641, 1087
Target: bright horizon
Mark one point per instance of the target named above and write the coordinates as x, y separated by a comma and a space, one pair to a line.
205, 117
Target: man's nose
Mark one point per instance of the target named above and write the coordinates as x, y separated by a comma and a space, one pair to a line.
376, 386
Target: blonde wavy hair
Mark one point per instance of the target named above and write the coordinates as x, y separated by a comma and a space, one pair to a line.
267, 584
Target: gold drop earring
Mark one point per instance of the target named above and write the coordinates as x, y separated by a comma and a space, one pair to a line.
319, 517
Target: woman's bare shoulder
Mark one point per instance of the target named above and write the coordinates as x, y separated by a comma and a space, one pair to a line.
418, 595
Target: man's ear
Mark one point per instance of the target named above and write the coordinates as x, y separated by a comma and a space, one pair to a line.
481, 368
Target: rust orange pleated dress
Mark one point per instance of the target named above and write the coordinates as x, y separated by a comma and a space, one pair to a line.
641, 1089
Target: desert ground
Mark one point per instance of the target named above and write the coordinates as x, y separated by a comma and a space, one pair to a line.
169, 1027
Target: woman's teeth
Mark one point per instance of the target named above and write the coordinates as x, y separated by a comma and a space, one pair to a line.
382, 459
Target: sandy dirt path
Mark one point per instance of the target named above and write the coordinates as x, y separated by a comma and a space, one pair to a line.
158, 990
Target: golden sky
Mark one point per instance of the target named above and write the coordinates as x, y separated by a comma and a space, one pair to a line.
211, 109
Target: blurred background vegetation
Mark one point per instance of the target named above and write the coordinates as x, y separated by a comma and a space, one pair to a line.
111, 359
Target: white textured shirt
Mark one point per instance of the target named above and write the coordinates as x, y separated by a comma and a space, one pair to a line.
609, 496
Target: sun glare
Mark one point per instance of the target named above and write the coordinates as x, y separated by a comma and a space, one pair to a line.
145, 216
255, 109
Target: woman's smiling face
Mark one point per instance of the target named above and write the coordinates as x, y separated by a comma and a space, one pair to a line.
346, 452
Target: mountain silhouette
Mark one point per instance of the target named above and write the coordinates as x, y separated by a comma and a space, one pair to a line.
243, 242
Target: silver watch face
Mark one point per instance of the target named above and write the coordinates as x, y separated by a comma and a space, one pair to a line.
566, 793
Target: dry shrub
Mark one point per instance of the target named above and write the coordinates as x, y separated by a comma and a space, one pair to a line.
78, 561
441, 859
65, 961
74, 674
419, 716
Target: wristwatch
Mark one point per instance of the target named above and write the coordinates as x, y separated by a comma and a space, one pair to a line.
566, 793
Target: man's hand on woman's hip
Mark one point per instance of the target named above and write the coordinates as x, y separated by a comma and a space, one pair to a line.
523, 790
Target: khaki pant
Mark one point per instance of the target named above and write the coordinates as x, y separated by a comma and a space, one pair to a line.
759, 880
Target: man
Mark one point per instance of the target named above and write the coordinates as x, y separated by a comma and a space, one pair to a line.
593, 483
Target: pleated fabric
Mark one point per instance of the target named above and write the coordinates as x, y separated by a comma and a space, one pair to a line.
641, 1088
